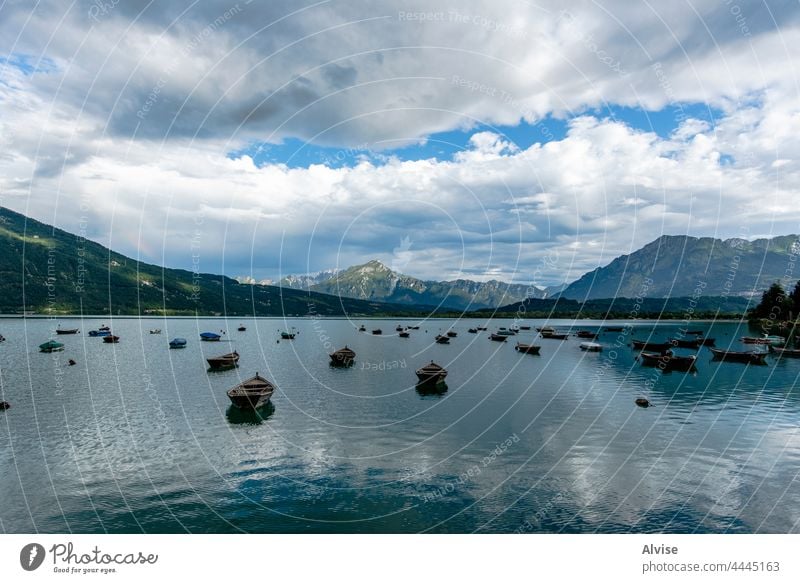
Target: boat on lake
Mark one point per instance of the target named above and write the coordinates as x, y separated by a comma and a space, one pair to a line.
686, 342
481, 328
51, 346
668, 361
94, 333
252, 393
545, 329
524, 327
652, 346
588, 334
242, 328
110, 339
404, 334
765, 339
362, 328
288, 334
104, 328
527, 348
472, 330
554, 335
452, 333
505, 332
498, 337
155, 331
431, 373
398, 328
591, 346
177, 343
377, 331
442, 339
229, 360
66, 330
210, 337
414, 327
343, 357
747, 356
784, 352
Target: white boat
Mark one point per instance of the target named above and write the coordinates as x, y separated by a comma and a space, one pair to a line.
591, 346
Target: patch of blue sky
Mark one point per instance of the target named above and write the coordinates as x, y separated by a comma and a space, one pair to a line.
443, 146
28, 64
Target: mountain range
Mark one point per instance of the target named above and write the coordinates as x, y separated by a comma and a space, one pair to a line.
675, 266
46, 270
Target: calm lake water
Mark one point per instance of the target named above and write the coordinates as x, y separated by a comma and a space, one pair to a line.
140, 438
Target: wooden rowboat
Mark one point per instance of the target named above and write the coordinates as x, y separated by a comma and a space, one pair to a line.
527, 348
224, 361
252, 393
668, 361
343, 357
747, 357
431, 373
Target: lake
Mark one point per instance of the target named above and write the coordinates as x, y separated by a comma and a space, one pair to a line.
139, 438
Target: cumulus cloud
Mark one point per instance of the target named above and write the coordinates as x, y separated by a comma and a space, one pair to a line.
137, 107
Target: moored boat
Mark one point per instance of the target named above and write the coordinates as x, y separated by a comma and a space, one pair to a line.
591, 346
177, 343
242, 328
343, 357
498, 337
481, 328
104, 328
377, 331
398, 328
288, 334
668, 361
654, 346
472, 330
554, 335
404, 334
452, 333
431, 373
505, 332
527, 348
51, 346
686, 342
747, 356
252, 393
588, 334
101, 333
210, 337
784, 352
229, 360
524, 327
110, 339
765, 339
442, 339
414, 327
545, 329
155, 331
362, 328
66, 330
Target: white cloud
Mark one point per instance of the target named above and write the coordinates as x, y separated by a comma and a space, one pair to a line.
136, 114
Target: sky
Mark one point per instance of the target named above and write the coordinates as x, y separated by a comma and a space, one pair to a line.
522, 141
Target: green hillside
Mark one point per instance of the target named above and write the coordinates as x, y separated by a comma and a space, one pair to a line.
45, 270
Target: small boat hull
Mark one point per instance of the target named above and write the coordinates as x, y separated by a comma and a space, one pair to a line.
252, 393
111, 339
591, 346
224, 361
554, 335
668, 361
498, 337
442, 340
51, 346
527, 348
67, 331
431, 374
177, 343
343, 357
746, 357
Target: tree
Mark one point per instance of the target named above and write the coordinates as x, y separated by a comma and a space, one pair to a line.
794, 298
775, 305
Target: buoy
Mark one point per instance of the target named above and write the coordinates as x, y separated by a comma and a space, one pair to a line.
642, 402
4, 405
